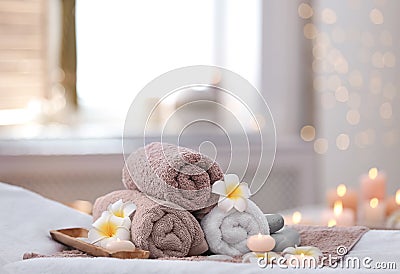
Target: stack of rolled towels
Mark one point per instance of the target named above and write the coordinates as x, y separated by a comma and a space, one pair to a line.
176, 212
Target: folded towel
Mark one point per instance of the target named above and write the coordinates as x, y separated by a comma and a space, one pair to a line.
164, 231
227, 233
174, 174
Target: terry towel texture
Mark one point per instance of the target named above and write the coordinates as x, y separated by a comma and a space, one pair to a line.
227, 233
174, 174
164, 231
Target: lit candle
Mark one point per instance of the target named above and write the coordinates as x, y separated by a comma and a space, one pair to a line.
373, 185
296, 217
348, 197
260, 243
373, 213
118, 245
339, 216
393, 203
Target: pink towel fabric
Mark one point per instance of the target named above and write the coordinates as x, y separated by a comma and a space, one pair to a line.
177, 175
162, 230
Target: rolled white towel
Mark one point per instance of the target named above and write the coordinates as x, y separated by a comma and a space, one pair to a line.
227, 232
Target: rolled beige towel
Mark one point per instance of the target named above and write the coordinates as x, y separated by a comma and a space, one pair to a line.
173, 174
164, 231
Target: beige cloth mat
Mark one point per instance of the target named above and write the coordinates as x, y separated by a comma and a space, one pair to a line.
327, 239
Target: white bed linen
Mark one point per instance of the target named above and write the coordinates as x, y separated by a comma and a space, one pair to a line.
27, 218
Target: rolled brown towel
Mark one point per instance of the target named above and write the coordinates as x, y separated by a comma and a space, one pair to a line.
164, 231
174, 174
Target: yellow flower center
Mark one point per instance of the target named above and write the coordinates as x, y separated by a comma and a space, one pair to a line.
234, 192
303, 253
108, 229
119, 213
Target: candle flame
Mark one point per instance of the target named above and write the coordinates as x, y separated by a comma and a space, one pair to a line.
338, 208
331, 223
373, 173
398, 197
296, 218
259, 236
341, 190
374, 202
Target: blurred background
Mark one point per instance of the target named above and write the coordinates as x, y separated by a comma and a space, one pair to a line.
70, 69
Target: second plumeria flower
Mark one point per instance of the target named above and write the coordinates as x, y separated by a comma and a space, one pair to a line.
121, 209
233, 193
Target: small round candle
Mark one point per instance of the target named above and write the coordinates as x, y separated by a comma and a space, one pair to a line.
373, 213
118, 245
260, 243
348, 197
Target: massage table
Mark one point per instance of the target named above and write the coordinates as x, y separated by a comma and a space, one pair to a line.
27, 218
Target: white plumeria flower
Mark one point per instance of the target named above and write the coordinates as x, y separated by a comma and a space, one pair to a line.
121, 209
303, 250
109, 228
233, 194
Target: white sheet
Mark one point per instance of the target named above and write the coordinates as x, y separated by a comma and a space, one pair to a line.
27, 218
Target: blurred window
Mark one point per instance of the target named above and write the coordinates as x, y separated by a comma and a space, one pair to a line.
120, 47
23, 59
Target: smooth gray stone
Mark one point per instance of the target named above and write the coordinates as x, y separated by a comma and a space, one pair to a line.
275, 222
285, 238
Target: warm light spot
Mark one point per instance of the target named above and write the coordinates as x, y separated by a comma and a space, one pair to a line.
338, 208
355, 78
342, 141
321, 146
374, 202
377, 60
386, 111
389, 59
296, 217
328, 16
310, 31
341, 190
398, 197
342, 94
305, 11
373, 173
331, 223
353, 117
376, 16
307, 133
389, 91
